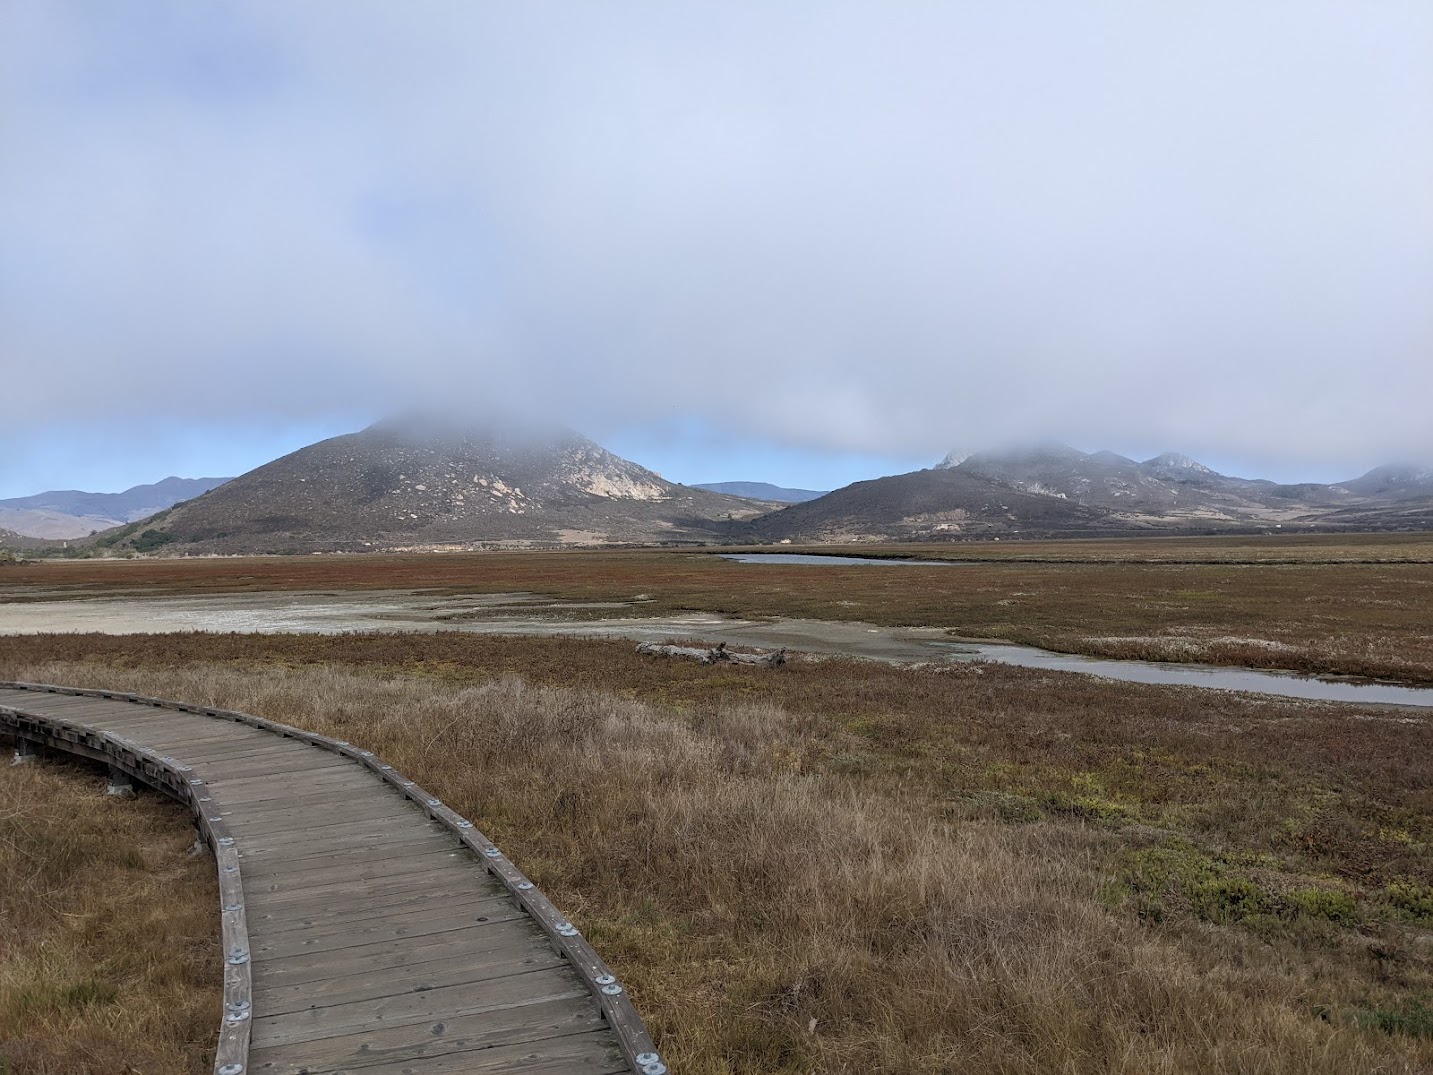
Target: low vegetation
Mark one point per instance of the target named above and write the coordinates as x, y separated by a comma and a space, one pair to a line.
840, 866
110, 957
1337, 605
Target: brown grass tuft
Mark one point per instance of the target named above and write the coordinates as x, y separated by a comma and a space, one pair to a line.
110, 957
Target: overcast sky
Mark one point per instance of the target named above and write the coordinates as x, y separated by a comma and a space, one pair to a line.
799, 241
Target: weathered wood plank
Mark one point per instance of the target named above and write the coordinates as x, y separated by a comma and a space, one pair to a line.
592, 1053
259, 797
412, 877
516, 957
356, 935
279, 763
377, 961
361, 906
353, 865
331, 828
387, 840
405, 1009
360, 812
363, 1049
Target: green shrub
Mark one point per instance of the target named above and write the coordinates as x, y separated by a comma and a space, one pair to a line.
1231, 899
1001, 805
1411, 898
152, 539
1414, 1019
1324, 903
1089, 807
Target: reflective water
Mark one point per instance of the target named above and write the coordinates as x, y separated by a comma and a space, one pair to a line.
1283, 684
831, 561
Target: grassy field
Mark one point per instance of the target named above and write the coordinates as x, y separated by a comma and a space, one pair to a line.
110, 957
851, 867
1339, 605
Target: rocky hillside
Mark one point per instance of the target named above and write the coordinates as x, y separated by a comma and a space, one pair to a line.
421, 483
1393, 484
924, 505
1055, 490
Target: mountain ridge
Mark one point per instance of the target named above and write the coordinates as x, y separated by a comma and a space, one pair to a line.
1051, 489
65, 514
415, 484
411, 483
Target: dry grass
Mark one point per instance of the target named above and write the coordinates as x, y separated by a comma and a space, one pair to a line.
842, 867
1339, 605
110, 958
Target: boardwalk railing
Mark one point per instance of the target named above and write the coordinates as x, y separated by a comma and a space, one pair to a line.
174, 775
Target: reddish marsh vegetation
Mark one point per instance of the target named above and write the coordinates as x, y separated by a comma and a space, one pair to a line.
850, 867
1339, 605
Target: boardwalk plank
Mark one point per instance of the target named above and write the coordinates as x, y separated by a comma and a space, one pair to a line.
361, 812
265, 784
261, 799
261, 849
358, 907
405, 1009
413, 876
380, 960
349, 935
590, 1054
364, 1049
413, 977
356, 864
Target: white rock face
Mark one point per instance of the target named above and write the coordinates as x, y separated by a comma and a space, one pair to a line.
953, 460
613, 484
1178, 461
602, 474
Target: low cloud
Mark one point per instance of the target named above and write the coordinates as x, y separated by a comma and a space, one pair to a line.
886, 229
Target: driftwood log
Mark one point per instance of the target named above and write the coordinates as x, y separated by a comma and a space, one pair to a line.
717, 655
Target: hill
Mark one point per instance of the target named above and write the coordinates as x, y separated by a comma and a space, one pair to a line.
420, 483
13, 545
1056, 490
64, 514
924, 505
762, 491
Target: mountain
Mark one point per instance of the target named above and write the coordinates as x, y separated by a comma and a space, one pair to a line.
1053, 490
418, 482
923, 505
1395, 483
1173, 489
70, 513
762, 491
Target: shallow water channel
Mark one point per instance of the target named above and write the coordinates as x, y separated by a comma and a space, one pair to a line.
1217, 677
818, 560
535, 614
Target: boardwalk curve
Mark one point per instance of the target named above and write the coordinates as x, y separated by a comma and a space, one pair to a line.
368, 928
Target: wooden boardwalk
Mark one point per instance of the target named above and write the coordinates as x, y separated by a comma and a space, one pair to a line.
368, 929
